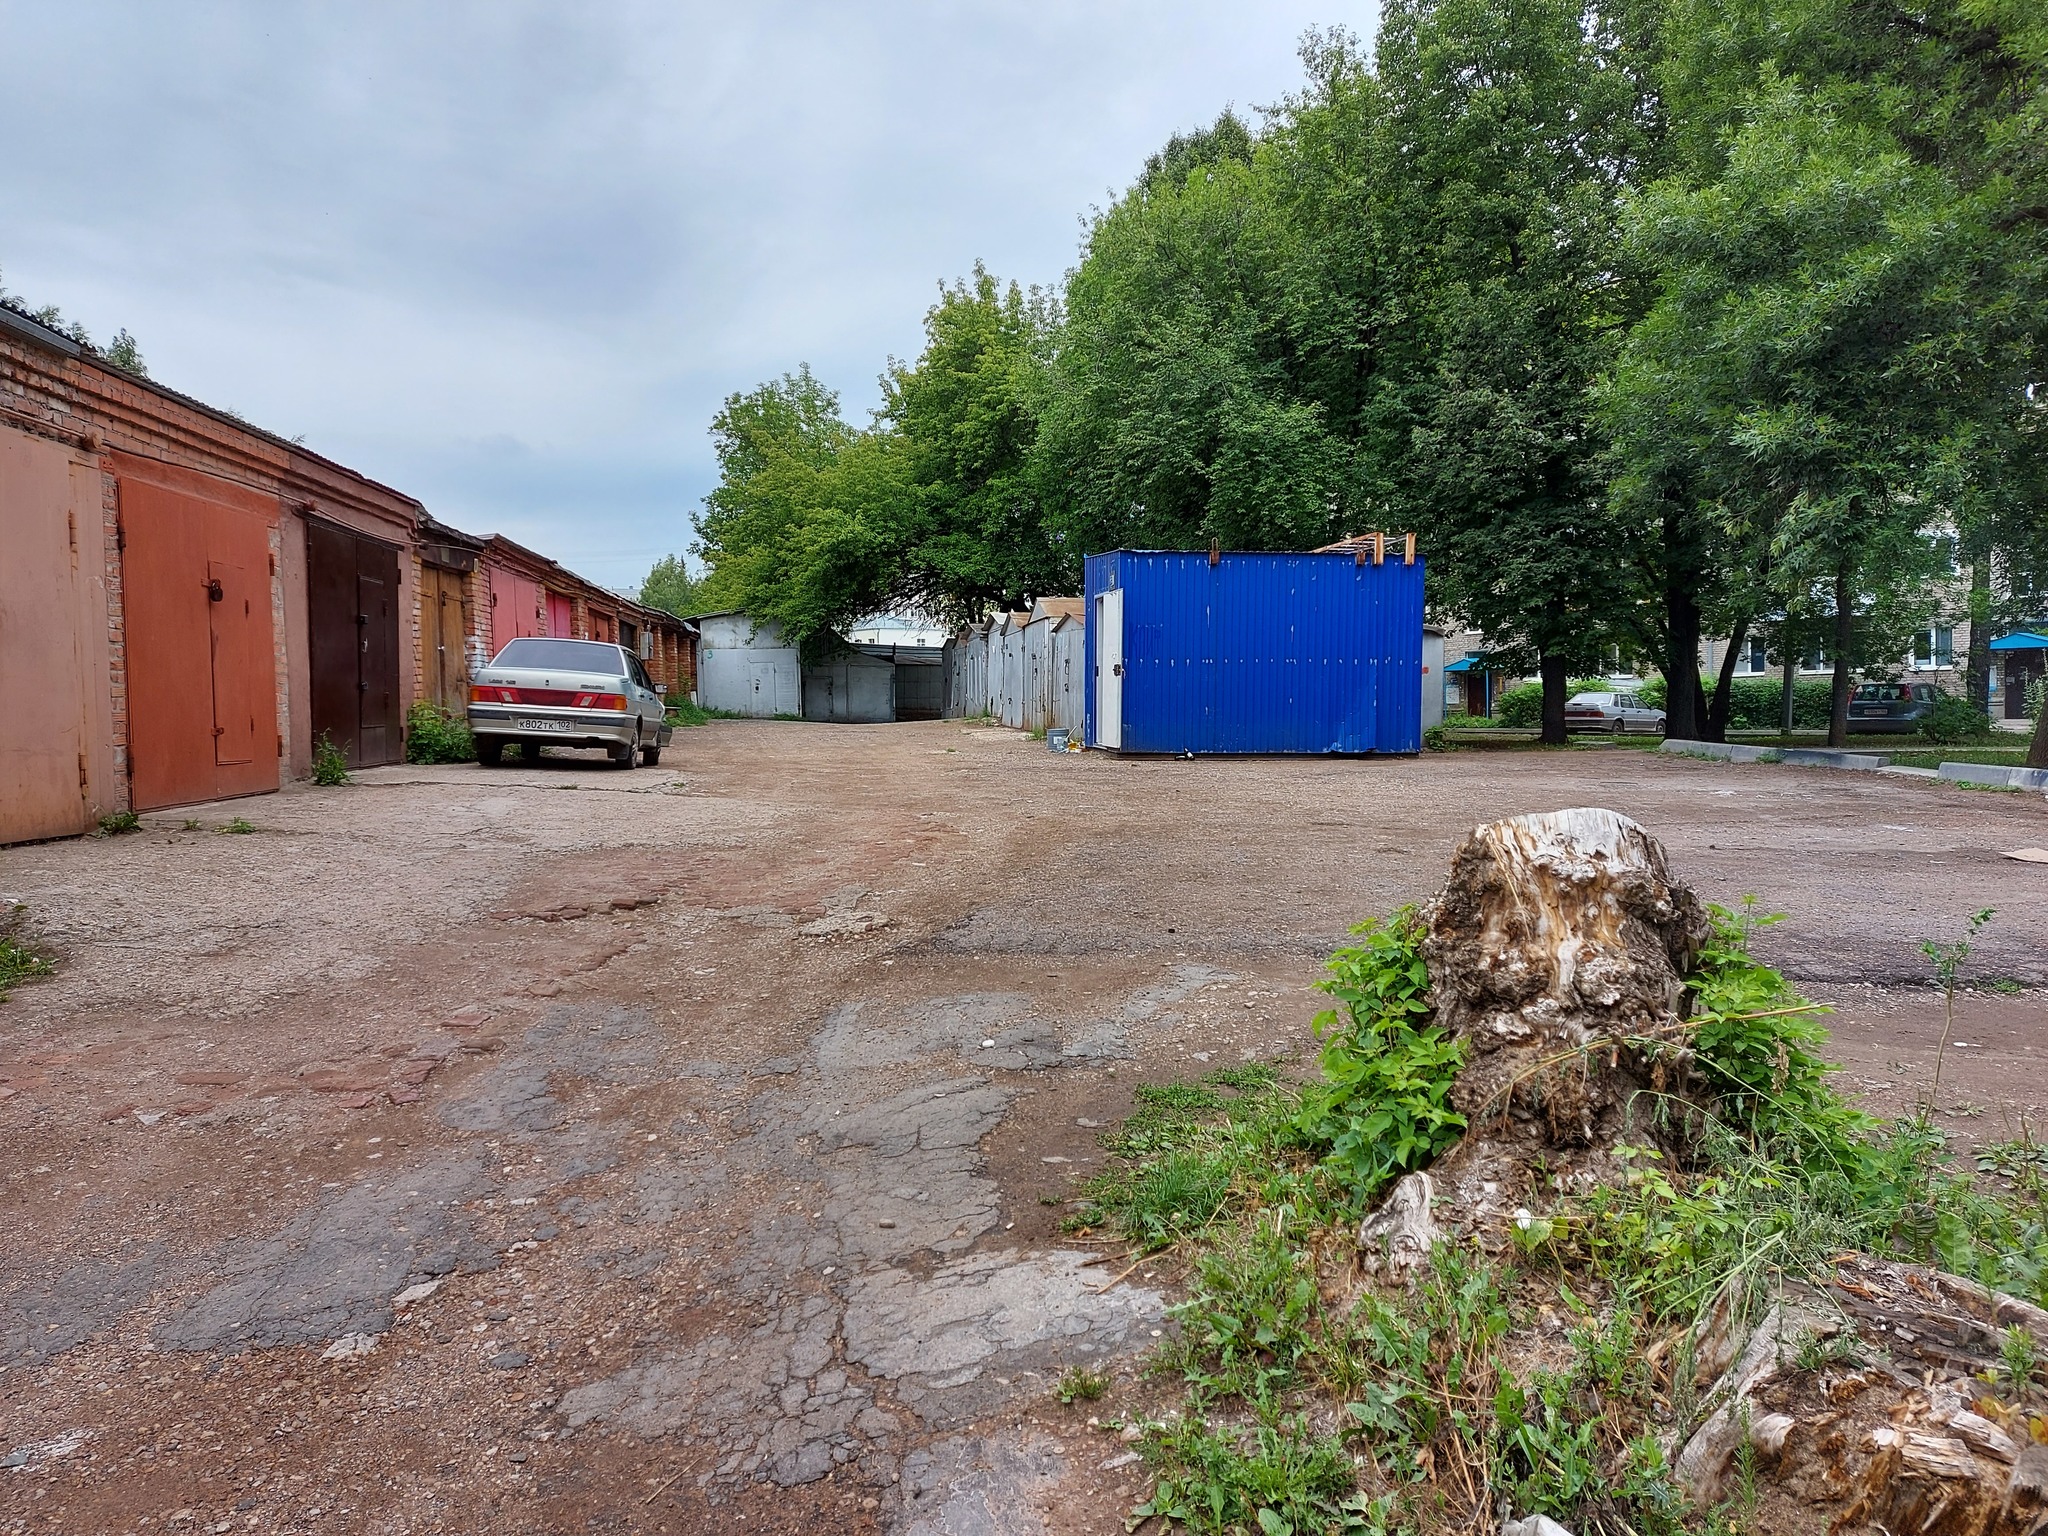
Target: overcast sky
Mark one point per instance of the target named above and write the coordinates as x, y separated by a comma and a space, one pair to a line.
509, 258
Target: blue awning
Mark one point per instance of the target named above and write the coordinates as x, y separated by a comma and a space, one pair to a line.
1473, 663
2021, 640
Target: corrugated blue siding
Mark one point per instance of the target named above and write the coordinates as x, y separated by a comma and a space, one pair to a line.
1263, 653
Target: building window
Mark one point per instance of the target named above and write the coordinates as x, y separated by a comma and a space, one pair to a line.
1816, 660
1755, 659
1934, 649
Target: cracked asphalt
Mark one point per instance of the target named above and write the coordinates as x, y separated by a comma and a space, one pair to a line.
684, 1149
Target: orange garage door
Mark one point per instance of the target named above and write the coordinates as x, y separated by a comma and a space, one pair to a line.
54, 715
202, 669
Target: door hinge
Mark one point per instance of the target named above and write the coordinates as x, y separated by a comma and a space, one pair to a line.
71, 530
82, 780
280, 746
120, 534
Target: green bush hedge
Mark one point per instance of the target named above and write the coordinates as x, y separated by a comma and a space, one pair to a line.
1756, 703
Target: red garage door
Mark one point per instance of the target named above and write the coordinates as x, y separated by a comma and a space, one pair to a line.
516, 611
202, 668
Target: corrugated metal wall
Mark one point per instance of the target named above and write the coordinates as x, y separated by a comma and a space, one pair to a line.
1028, 677
1264, 652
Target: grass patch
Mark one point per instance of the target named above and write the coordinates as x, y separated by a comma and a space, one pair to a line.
1998, 757
681, 713
1522, 1380
19, 960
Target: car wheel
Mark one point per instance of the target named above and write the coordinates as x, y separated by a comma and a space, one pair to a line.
490, 751
1615, 729
622, 755
650, 757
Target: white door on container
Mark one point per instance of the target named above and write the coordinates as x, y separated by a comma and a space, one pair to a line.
1109, 668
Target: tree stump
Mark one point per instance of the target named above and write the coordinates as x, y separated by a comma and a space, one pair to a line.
1559, 936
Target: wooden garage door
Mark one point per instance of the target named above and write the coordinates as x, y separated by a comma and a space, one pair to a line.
444, 622
50, 677
352, 634
202, 663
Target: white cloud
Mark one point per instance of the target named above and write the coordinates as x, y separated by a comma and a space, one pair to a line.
509, 258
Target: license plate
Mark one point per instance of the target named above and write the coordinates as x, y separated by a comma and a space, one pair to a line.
542, 725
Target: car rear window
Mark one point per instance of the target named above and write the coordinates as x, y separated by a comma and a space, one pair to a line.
1591, 700
1883, 693
561, 656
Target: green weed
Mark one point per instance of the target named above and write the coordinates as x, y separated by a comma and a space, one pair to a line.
239, 825
1079, 1384
330, 763
1273, 1479
434, 735
1383, 1107
19, 961
114, 823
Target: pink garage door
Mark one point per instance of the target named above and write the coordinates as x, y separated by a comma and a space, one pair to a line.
516, 611
561, 617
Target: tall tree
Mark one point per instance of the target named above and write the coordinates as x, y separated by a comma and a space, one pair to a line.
1511, 124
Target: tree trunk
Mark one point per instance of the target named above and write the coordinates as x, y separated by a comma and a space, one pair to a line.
1556, 686
1724, 685
1559, 937
2037, 749
1838, 694
1681, 663
1791, 679
1977, 669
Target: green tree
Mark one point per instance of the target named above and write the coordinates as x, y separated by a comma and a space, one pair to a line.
1501, 242
671, 587
964, 417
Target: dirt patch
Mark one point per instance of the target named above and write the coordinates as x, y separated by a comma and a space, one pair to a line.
729, 1219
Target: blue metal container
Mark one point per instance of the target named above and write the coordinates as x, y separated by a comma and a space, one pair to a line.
1255, 653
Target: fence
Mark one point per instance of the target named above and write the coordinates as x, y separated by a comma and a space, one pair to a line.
1029, 676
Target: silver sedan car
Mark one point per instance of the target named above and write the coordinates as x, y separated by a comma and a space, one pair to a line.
567, 693
1614, 712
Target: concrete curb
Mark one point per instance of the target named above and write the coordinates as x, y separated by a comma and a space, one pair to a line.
1828, 757
1995, 776
1720, 751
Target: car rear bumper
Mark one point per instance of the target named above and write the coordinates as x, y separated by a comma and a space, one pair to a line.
1877, 725
563, 727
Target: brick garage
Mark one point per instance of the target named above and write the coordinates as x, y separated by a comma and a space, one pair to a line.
189, 601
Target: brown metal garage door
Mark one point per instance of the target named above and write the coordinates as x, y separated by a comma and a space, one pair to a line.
352, 626
202, 667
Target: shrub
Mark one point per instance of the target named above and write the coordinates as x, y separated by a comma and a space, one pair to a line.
330, 763
2037, 697
1953, 721
437, 735
1520, 706
114, 823
1383, 1107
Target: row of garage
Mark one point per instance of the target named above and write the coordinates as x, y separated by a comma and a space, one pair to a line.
188, 604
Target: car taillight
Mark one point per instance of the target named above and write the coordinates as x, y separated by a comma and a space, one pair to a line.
600, 701
483, 695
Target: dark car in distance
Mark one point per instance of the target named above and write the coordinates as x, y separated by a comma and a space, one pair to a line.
1875, 707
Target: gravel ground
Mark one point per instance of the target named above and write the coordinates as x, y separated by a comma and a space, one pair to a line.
559, 1148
